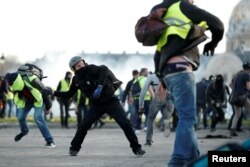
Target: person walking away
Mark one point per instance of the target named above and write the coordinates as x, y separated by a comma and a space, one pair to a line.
99, 84
160, 102
216, 100
241, 88
64, 104
176, 56
29, 92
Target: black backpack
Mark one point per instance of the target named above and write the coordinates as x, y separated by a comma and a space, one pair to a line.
136, 88
30, 69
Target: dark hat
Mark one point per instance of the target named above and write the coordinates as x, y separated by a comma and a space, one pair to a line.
11, 77
246, 65
135, 72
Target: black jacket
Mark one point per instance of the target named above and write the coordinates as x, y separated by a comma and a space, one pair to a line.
88, 78
176, 45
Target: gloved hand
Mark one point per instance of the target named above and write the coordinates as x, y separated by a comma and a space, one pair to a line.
97, 92
209, 47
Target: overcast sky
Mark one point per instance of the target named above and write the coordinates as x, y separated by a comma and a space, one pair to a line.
29, 28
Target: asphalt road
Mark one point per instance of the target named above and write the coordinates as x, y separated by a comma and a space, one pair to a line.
106, 147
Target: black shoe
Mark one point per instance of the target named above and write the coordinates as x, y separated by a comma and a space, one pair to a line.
139, 152
19, 137
73, 152
233, 133
148, 143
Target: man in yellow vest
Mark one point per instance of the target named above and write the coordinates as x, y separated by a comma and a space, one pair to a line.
63, 86
29, 92
177, 55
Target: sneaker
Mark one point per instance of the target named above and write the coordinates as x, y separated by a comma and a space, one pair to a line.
145, 129
50, 145
72, 152
233, 133
19, 137
148, 143
139, 152
166, 131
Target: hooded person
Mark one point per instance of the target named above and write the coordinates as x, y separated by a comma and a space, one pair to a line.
99, 84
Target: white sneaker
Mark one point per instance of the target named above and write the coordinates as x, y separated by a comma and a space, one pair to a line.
50, 145
137, 132
145, 129
166, 128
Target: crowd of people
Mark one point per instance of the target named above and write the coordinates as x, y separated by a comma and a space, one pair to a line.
170, 90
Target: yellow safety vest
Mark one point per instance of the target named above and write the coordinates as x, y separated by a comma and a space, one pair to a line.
64, 85
178, 24
19, 84
142, 80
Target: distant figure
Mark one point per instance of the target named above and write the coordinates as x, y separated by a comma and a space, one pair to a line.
126, 97
64, 104
10, 101
241, 88
201, 88
216, 99
3, 92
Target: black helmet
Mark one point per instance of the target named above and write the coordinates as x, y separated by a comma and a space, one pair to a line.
246, 65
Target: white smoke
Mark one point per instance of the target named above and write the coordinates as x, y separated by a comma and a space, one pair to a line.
55, 64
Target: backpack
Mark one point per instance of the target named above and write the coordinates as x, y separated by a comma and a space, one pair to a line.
149, 29
30, 69
136, 88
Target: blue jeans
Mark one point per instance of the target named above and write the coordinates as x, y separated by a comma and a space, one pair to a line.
38, 116
182, 88
166, 109
137, 118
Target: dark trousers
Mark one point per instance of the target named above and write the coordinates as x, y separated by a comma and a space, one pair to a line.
217, 116
239, 123
113, 108
64, 112
82, 111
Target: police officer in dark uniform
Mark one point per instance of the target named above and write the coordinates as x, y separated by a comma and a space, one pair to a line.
99, 84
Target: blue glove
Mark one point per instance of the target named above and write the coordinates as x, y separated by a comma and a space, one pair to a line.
97, 92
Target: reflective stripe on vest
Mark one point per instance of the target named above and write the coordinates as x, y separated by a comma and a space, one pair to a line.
35, 93
64, 85
179, 24
142, 80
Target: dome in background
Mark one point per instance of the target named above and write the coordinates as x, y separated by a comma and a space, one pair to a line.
238, 35
239, 24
